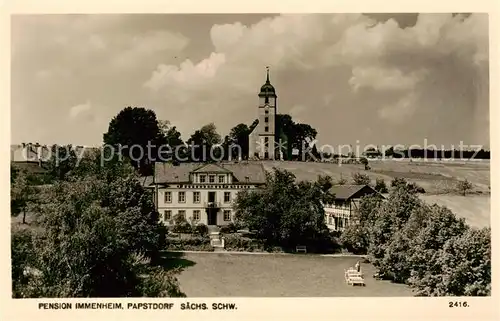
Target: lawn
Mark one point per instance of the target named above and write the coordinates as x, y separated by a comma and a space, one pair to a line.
261, 275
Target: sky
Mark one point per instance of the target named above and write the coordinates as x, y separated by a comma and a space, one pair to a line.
357, 78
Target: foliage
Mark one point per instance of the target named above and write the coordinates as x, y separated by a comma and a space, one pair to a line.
132, 127
22, 193
293, 135
360, 179
200, 229
424, 246
464, 187
92, 230
380, 186
62, 161
181, 225
463, 265
192, 243
238, 136
203, 142
355, 236
286, 213
235, 242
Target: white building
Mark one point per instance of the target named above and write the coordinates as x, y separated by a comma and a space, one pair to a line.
202, 193
347, 198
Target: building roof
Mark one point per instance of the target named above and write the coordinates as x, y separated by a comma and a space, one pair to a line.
345, 192
267, 89
250, 173
146, 181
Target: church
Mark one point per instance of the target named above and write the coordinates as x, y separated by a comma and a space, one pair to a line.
262, 140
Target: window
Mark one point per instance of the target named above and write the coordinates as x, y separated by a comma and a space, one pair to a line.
227, 215
266, 100
221, 179
247, 179
196, 197
266, 111
182, 197
196, 215
266, 119
211, 179
266, 129
203, 178
227, 197
330, 220
167, 215
182, 213
168, 197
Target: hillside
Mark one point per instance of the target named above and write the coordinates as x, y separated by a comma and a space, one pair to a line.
434, 177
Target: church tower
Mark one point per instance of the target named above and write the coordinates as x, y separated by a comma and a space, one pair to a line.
267, 119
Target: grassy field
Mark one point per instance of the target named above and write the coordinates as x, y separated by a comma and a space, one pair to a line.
245, 275
475, 209
435, 177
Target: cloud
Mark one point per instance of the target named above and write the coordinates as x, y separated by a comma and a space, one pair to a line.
346, 71
77, 111
410, 71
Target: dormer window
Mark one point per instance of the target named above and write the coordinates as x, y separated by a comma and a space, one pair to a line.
221, 179
211, 178
203, 178
247, 179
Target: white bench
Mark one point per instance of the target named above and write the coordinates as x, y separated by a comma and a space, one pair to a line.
301, 248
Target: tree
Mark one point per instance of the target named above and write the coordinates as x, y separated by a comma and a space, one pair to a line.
380, 186
61, 162
286, 213
293, 135
360, 179
22, 193
364, 162
131, 132
98, 235
171, 137
464, 187
96, 239
355, 236
238, 136
465, 265
202, 143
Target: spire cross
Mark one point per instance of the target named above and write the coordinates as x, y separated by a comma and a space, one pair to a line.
267, 70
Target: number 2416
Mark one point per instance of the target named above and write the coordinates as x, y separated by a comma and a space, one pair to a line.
458, 304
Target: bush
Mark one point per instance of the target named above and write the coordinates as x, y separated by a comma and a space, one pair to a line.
229, 228
360, 179
200, 229
241, 243
196, 243
182, 228
181, 225
380, 186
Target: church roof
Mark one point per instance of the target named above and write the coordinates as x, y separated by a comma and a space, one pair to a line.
267, 89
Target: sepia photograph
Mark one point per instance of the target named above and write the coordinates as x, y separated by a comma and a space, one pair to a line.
217, 155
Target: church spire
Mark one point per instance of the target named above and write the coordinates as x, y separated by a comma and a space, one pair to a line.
267, 79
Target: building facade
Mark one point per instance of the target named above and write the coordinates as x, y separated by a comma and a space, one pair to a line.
340, 213
202, 193
262, 139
